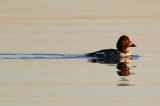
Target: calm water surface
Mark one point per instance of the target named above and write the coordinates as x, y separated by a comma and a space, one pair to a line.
42, 45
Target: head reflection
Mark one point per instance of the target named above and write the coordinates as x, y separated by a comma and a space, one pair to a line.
124, 70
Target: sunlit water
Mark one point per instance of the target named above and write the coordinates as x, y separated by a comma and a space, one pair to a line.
42, 47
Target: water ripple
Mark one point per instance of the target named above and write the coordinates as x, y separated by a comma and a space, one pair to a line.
25, 56
39, 56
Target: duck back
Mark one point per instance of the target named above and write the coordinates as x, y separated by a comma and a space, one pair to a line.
105, 53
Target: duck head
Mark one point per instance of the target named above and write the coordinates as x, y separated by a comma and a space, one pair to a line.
123, 43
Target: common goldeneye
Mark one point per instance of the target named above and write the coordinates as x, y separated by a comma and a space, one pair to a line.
121, 51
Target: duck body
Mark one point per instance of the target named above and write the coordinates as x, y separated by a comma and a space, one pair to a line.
105, 53
121, 51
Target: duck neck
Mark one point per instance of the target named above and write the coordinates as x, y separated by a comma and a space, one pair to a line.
122, 49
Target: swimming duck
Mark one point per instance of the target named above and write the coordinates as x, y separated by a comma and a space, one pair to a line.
122, 50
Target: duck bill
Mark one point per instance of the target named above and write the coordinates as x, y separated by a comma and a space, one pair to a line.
133, 45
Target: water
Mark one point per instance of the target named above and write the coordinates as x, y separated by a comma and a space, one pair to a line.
42, 45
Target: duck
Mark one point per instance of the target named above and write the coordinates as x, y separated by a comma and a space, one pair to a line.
122, 45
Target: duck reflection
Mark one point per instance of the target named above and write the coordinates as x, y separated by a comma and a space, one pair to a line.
124, 70
121, 64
